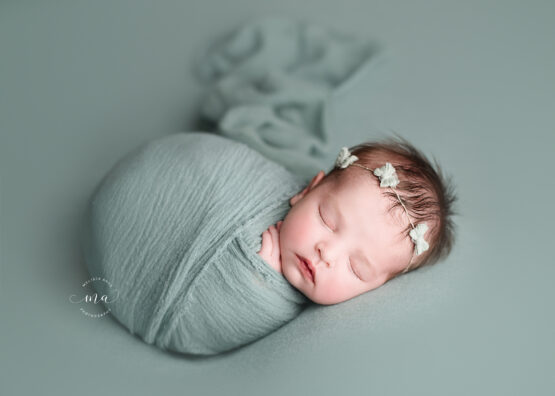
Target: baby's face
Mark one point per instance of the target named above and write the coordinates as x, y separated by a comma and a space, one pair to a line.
343, 228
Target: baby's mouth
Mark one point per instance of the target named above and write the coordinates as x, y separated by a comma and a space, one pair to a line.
306, 268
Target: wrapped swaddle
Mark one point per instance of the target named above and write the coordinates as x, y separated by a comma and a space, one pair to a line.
176, 226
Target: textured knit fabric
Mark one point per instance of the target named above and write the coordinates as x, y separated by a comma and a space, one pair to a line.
175, 228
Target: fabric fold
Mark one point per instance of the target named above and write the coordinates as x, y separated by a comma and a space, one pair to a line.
271, 84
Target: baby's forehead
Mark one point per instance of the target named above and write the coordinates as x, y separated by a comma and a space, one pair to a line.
358, 188
362, 197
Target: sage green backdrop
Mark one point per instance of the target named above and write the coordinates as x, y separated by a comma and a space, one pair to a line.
471, 82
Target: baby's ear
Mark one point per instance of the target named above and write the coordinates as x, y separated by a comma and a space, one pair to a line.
297, 197
313, 183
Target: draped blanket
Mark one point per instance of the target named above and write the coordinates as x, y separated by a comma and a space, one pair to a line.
272, 83
175, 225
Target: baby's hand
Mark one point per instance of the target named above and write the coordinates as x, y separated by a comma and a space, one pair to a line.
270, 251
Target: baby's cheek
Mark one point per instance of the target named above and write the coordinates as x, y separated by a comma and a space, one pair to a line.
333, 293
301, 232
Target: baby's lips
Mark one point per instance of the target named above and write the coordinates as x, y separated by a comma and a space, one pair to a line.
278, 225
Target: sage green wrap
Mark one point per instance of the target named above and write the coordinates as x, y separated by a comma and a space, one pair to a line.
175, 227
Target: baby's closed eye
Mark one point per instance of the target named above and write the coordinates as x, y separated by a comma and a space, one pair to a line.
323, 220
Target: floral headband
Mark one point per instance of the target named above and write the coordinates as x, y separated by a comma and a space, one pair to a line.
388, 178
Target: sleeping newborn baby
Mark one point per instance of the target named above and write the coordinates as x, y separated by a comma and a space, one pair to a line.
363, 224
178, 228
213, 241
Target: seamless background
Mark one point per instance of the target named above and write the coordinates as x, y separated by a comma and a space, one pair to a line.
471, 83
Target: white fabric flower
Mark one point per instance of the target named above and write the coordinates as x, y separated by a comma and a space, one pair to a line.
417, 236
387, 175
345, 158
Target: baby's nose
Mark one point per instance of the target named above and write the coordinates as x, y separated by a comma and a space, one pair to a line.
323, 256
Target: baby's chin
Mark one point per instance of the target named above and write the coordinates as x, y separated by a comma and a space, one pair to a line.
296, 279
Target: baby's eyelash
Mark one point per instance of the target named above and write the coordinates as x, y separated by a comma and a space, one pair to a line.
352, 270
322, 219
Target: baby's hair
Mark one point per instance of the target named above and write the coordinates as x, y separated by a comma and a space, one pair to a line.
427, 194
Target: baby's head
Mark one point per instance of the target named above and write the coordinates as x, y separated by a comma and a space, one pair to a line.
355, 235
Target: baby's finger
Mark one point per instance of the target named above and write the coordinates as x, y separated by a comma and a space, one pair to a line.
266, 242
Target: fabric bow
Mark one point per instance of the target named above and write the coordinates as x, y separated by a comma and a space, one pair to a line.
345, 158
417, 236
387, 175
